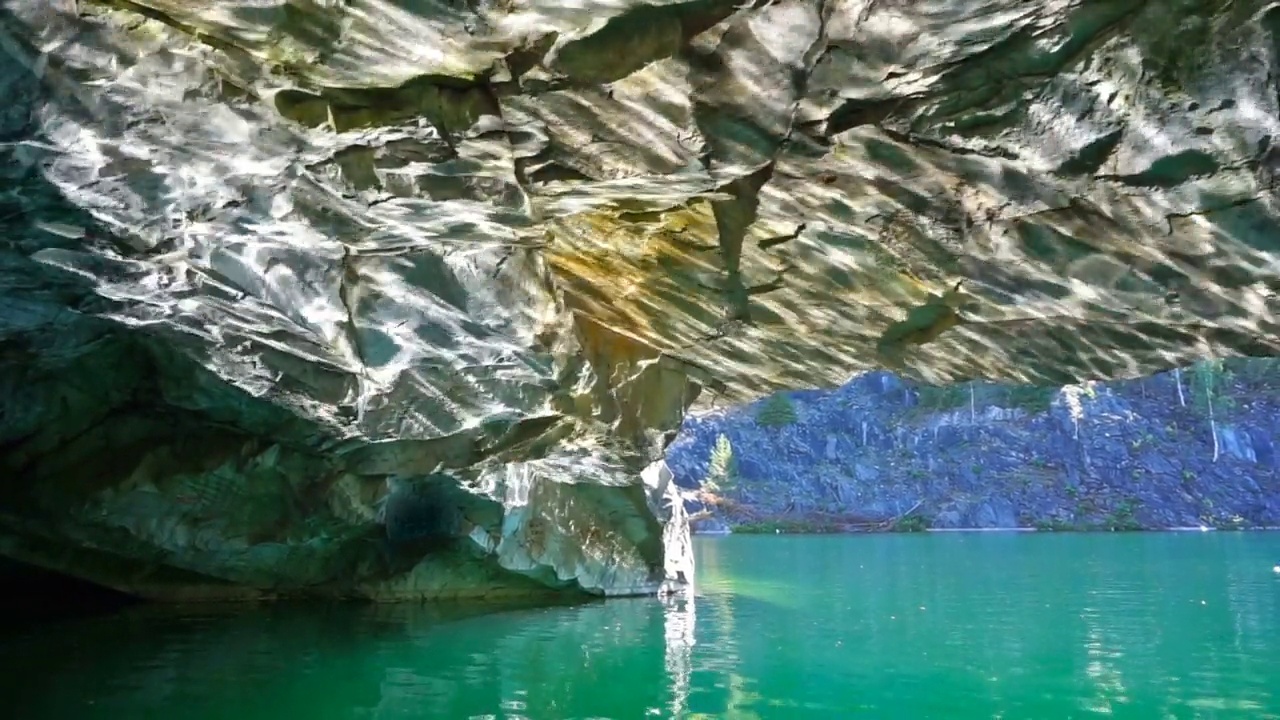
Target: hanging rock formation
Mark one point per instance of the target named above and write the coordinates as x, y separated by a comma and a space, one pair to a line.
404, 299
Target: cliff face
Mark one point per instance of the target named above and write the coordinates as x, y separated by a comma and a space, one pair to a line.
405, 299
1125, 455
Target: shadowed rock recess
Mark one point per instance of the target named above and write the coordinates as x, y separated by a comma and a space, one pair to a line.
404, 299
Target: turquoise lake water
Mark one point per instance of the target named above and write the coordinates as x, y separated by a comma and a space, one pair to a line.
1035, 626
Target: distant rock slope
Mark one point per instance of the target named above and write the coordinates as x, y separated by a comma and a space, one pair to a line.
1123, 455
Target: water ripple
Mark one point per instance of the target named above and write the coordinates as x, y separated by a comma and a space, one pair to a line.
1160, 626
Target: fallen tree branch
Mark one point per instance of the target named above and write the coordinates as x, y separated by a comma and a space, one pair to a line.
894, 521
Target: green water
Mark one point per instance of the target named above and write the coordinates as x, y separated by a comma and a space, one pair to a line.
922, 626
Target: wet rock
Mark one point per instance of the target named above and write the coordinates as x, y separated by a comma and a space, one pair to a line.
994, 514
947, 519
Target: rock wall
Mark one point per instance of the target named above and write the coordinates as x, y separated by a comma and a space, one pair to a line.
206, 395
1124, 455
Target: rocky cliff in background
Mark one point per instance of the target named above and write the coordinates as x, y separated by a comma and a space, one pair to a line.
398, 298
887, 454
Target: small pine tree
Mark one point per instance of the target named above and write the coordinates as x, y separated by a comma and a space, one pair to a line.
721, 470
777, 411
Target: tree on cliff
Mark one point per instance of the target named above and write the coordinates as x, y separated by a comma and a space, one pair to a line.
777, 411
722, 468
1211, 377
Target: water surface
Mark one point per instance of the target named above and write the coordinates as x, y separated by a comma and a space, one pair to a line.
913, 627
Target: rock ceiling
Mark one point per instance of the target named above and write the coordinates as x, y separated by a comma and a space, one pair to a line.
765, 190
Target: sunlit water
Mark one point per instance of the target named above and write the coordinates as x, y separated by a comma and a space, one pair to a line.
923, 626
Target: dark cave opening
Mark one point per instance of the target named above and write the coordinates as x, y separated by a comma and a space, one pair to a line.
33, 594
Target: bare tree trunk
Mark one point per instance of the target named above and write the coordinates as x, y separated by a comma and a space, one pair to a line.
973, 418
898, 518
833, 487
1213, 424
1177, 378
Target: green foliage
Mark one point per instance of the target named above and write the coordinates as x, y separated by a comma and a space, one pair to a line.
939, 398
1121, 518
1055, 525
1263, 371
943, 397
777, 411
911, 523
1033, 398
1210, 379
786, 527
722, 469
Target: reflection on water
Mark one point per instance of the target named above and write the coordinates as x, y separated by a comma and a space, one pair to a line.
955, 626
